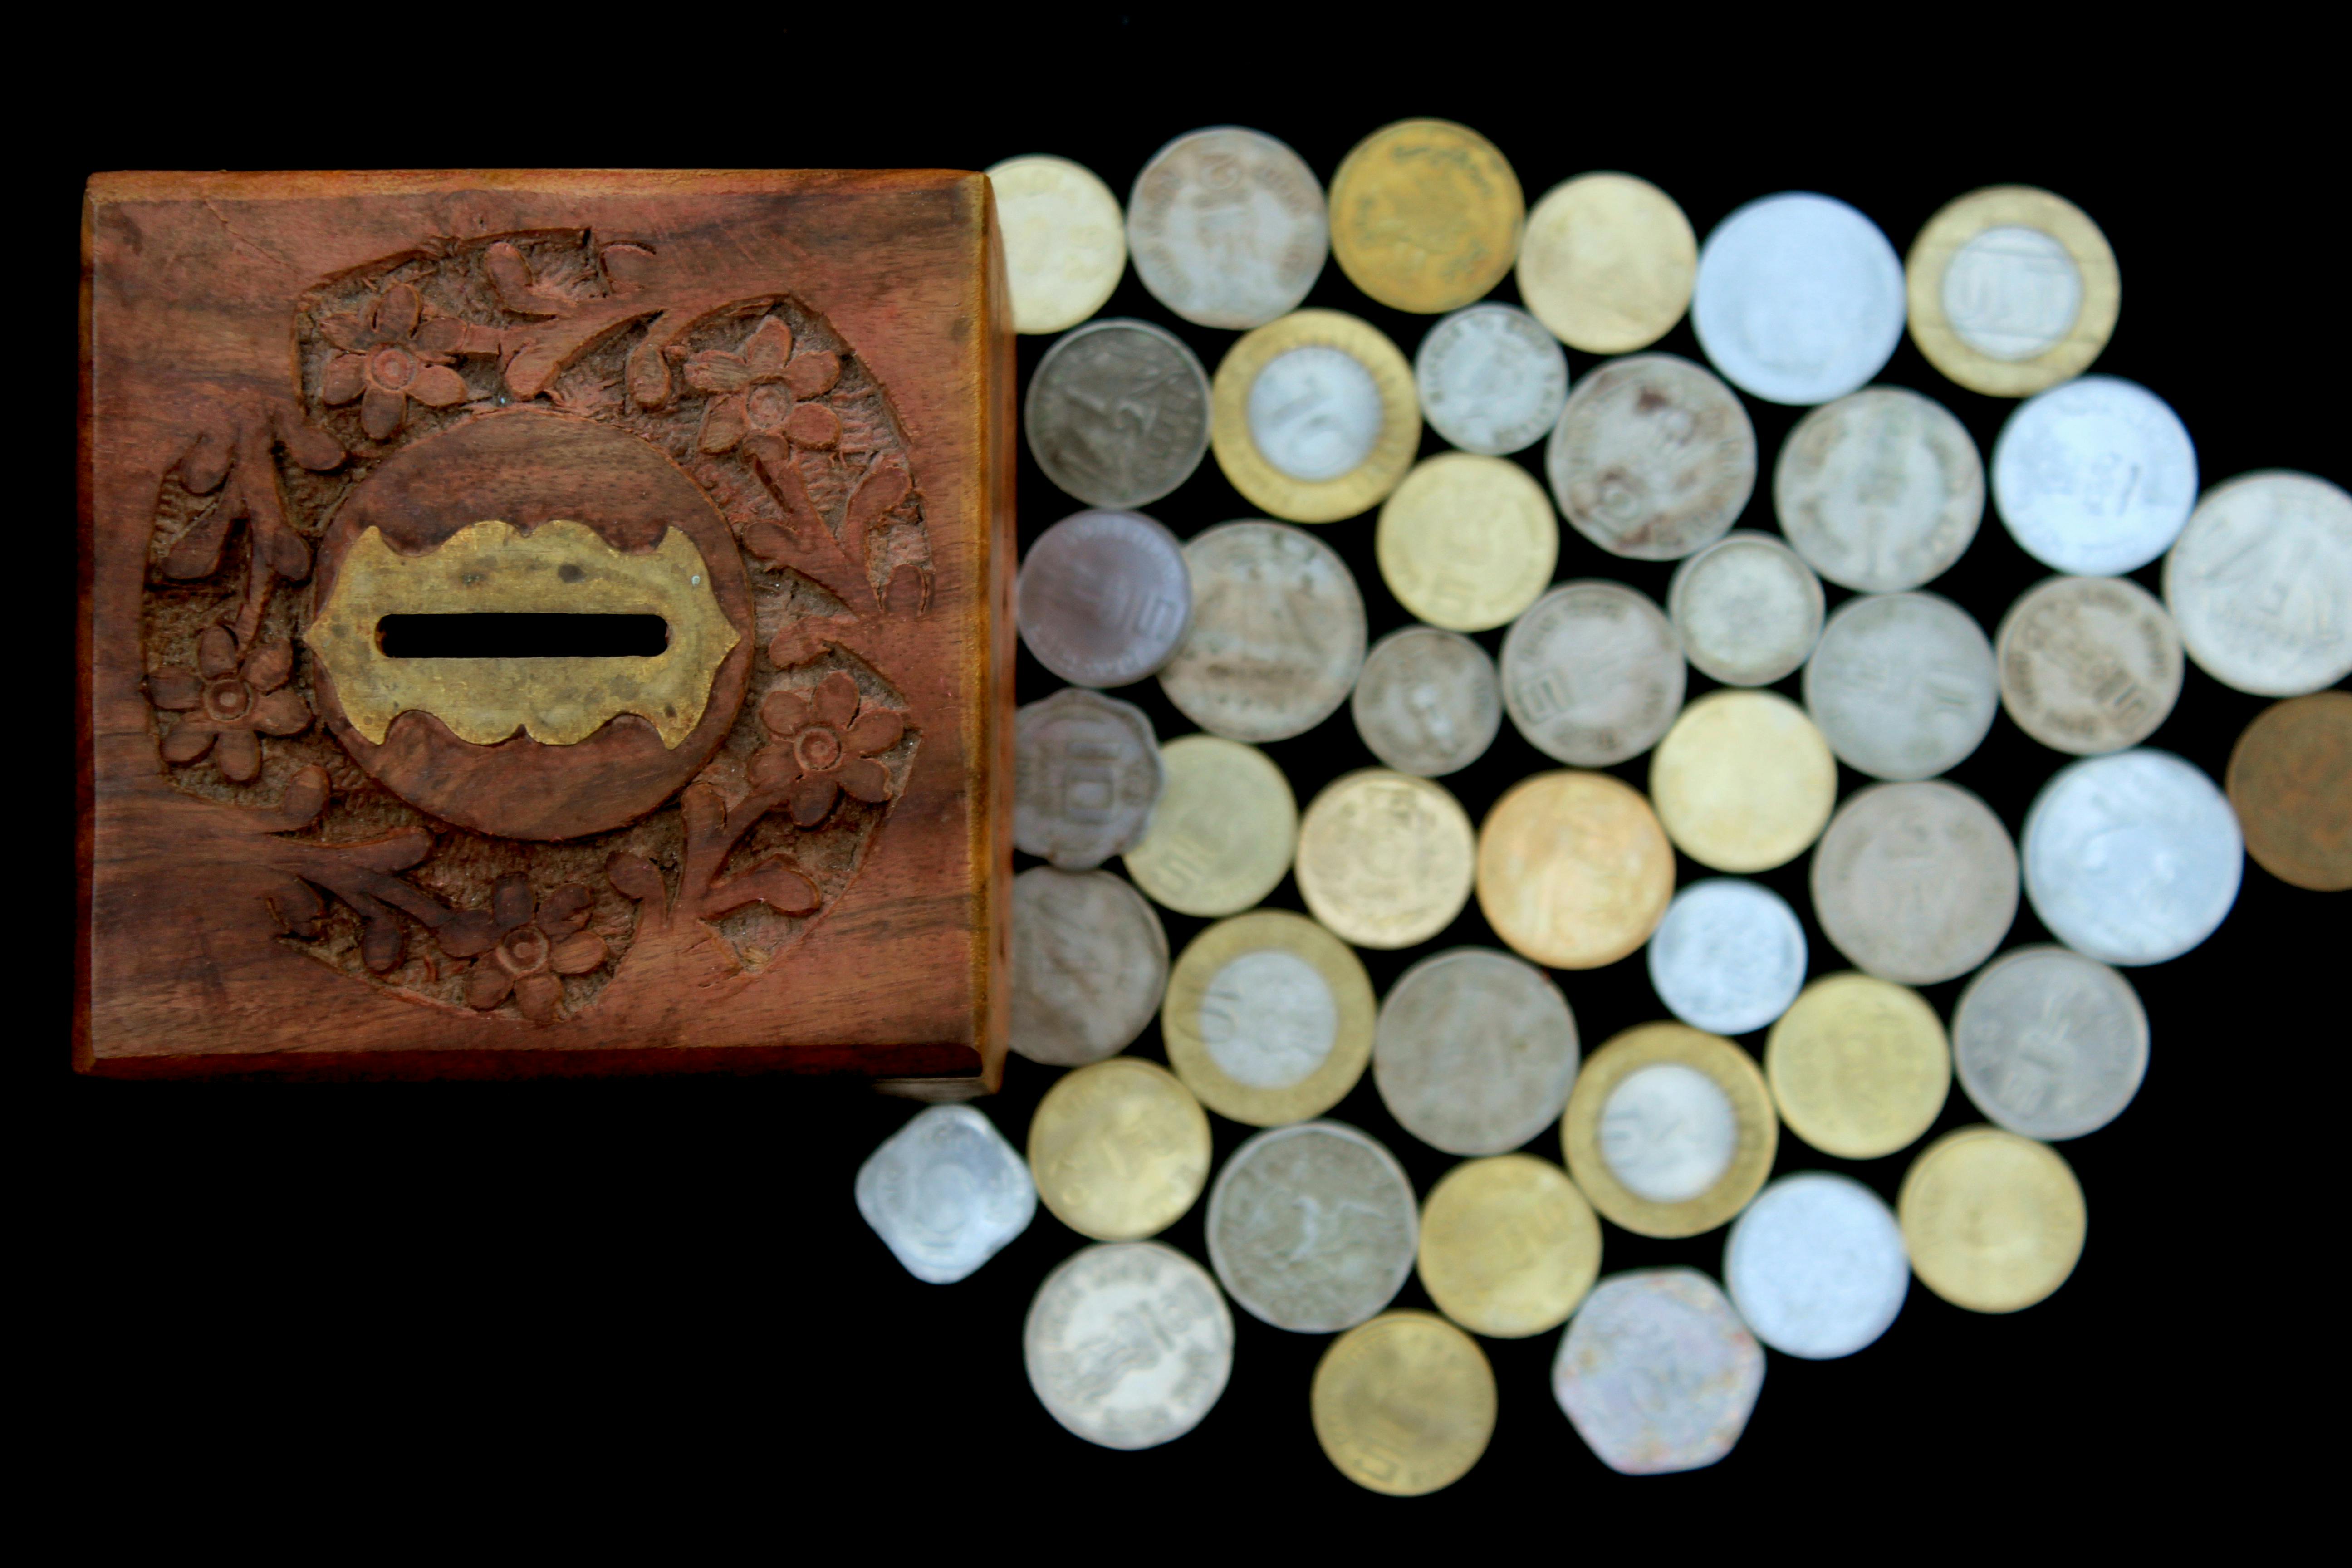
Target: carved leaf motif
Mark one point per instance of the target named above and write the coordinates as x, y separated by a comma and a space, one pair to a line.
565, 910
814, 426
299, 909
392, 852
381, 939
468, 933
190, 739
630, 268
577, 953
635, 876
771, 882
203, 465
767, 350
876, 731
884, 487
538, 996
812, 374
238, 754
863, 778
197, 552
281, 713
510, 278
215, 653
269, 667
437, 386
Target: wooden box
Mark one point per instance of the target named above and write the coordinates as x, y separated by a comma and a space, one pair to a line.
546, 622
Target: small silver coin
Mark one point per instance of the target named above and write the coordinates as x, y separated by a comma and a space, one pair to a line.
1313, 1227
1277, 633
1315, 413
1427, 701
1593, 674
1800, 298
1089, 966
1086, 778
1103, 598
1474, 1051
1657, 1372
1903, 685
2094, 477
1492, 379
1880, 491
1730, 957
1129, 1345
2050, 1044
1668, 1132
1817, 1266
945, 1193
2088, 664
1117, 413
1651, 458
2133, 857
1748, 609
2259, 581
1227, 227
1914, 882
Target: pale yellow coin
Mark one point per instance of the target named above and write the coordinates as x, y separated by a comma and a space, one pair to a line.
2012, 289
1224, 831
1859, 1066
1508, 1246
1268, 1018
1119, 1149
1573, 869
1065, 240
1994, 1222
1426, 216
1405, 1405
1385, 860
1669, 1131
1313, 417
1744, 780
1608, 263
1466, 542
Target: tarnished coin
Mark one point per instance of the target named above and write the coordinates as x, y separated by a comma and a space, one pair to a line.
1269, 1019
1427, 701
1474, 1051
1086, 778
2094, 477
1312, 1228
1313, 417
2088, 664
1385, 860
1117, 413
1129, 1345
1859, 1066
1593, 674
1994, 1222
2012, 289
1816, 1265
2259, 581
1277, 633
1491, 379
1607, 263
1743, 782
1914, 882
1573, 869
2289, 781
1669, 1129
945, 1193
1467, 543
1651, 458
1227, 227
1119, 1150
1089, 966
2133, 857
1103, 598
1405, 1405
2050, 1044
1747, 608
1426, 215
1904, 686
1508, 1246
1729, 956
1799, 298
1657, 1372
1223, 832
1065, 242
1880, 491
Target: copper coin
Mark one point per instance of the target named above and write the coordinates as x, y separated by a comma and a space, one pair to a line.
2289, 781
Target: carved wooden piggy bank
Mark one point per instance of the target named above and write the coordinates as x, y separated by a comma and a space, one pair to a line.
547, 622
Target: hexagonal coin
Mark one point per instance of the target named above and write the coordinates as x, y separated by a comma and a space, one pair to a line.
1656, 1372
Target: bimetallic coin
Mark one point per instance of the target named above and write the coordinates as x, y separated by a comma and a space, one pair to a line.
1573, 869
1103, 598
1385, 860
1426, 215
1089, 965
1491, 379
1277, 633
2133, 857
1129, 1345
1467, 543
2259, 583
1268, 1018
1651, 458
1427, 701
2088, 664
1994, 1222
1914, 882
1607, 263
1816, 1265
2050, 1044
2012, 289
2290, 782
1086, 778
1223, 832
1880, 491
1227, 227
1119, 1149
1657, 1372
1474, 1051
1743, 782
1858, 1066
945, 1193
1729, 956
1117, 413
1065, 243
1313, 417
2094, 477
1747, 608
1508, 1246
1799, 298
1904, 686
1404, 1405
1312, 1228
1669, 1131
1593, 674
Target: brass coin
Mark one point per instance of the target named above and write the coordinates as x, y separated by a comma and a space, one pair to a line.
1744, 780
1426, 216
1859, 1066
1669, 1131
1268, 1018
1994, 1222
1313, 417
1608, 263
1466, 542
1404, 1405
1119, 1150
2289, 781
2012, 289
1508, 1246
1385, 858
1065, 240
1573, 869
1224, 831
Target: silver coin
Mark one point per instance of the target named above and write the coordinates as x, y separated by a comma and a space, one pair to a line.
1593, 674
1277, 633
1880, 491
1474, 1051
1657, 1372
2260, 581
2088, 664
2133, 857
1227, 227
1903, 685
1117, 413
1086, 778
1817, 1266
1748, 609
1089, 966
1651, 458
1427, 701
1914, 882
1103, 598
2050, 1044
1729, 956
1315, 413
2094, 477
945, 1193
1800, 298
1313, 1227
1129, 1345
1492, 379
1668, 1132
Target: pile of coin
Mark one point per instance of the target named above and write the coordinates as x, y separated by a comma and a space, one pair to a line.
1257, 633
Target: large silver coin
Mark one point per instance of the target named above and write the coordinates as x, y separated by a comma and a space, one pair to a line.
945, 1193
1475, 1052
1492, 379
1816, 1265
1880, 491
1117, 413
1593, 674
1914, 882
2094, 477
1651, 458
1227, 227
1313, 1227
1128, 1343
1089, 966
1427, 701
2050, 1044
1277, 633
1800, 298
2088, 664
1903, 685
2259, 583
1748, 609
1103, 598
1086, 776
2133, 857
1729, 956
1656, 1372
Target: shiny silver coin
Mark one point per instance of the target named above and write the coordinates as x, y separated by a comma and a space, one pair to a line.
1800, 298
1651, 458
1227, 227
1474, 1051
2095, 476
1129, 1345
1914, 882
2050, 1044
1817, 1266
1086, 778
1277, 633
945, 1193
2088, 664
1313, 1227
1593, 674
1117, 413
1089, 966
1103, 598
1729, 956
1492, 379
2132, 858
1903, 685
1427, 701
1880, 491
1657, 1372
2259, 581
1748, 609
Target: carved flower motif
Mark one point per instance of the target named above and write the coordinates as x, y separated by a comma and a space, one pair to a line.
824, 746
388, 358
529, 946
764, 388
226, 701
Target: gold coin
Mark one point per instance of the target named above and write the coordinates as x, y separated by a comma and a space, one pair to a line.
1426, 216
1224, 831
1467, 543
1268, 1018
2290, 782
1669, 1131
1404, 1405
1065, 240
2012, 289
1573, 869
1119, 1149
1608, 263
1508, 1246
1994, 1222
1744, 780
1859, 1066
1313, 417
1384, 858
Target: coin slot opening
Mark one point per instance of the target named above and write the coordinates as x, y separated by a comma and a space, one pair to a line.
522, 635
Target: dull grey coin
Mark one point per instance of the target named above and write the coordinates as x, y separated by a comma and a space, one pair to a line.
1914, 882
1800, 298
1593, 674
1227, 227
1651, 458
1103, 598
1313, 1227
1492, 379
945, 1191
2094, 477
1086, 778
1880, 491
1657, 1372
1748, 609
2259, 581
1903, 685
1129, 1345
2049, 1044
1277, 633
1817, 1266
1427, 701
2133, 857
1117, 413
1089, 966
1474, 1051
1729, 956
2088, 664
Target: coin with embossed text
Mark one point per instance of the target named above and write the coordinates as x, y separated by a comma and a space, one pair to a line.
1858, 1066
1657, 1372
1065, 243
1268, 1018
1426, 215
1607, 263
1729, 956
2133, 857
1119, 1149
2260, 583
1227, 227
1800, 298
1573, 869
2094, 477
2290, 782
1089, 965
1653, 458
1593, 674
1277, 633
2050, 1044
1914, 882
1492, 380
1117, 413
2012, 289
1748, 609
1743, 782
1427, 701
1086, 778
1816, 1265
1103, 598
1224, 830
1129, 1345
1313, 417
1669, 1129
1313, 1227
1385, 860
945, 1193
1405, 1405
1994, 1222
1880, 491
1904, 686
1467, 543
1508, 1246
2088, 664
1474, 1051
